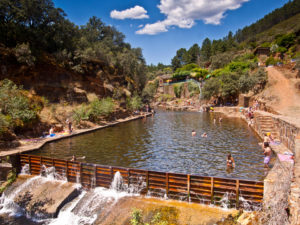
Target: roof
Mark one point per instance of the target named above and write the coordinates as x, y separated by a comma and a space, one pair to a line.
166, 76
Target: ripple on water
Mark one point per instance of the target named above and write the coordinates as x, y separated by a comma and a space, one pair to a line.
164, 143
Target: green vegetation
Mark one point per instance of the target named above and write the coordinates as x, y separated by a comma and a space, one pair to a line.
134, 103
17, 109
150, 90
12, 176
161, 216
37, 30
228, 84
94, 111
178, 89
193, 88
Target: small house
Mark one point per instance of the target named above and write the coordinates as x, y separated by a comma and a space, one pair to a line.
164, 79
262, 51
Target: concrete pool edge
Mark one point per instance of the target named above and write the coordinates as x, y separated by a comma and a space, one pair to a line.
276, 191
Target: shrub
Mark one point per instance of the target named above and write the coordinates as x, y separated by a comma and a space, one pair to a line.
260, 80
178, 89
81, 113
23, 54
150, 90
15, 104
165, 98
103, 107
238, 66
271, 61
181, 75
134, 103
246, 83
220, 60
193, 88
199, 72
211, 88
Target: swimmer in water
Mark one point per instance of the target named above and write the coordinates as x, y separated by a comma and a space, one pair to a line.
194, 133
230, 161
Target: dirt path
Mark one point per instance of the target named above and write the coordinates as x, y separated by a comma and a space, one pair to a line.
281, 93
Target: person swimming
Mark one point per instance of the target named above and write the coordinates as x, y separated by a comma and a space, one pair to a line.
194, 133
230, 161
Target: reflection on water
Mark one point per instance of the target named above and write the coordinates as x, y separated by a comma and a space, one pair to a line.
164, 143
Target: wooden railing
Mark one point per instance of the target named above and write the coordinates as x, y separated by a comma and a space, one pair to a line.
185, 187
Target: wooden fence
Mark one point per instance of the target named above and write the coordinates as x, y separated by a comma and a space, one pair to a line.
185, 187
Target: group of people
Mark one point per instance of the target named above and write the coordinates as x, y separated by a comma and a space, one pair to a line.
52, 129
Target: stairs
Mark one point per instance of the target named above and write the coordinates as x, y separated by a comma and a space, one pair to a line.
266, 124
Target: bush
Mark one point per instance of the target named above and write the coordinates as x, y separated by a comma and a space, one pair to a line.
23, 54
211, 88
134, 103
165, 98
238, 66
246, 83
260, 80
193, 88
178, 89
16, 105
199, 72
181, 75
221, 60
81, 113
103, 107
271, 61
150, 90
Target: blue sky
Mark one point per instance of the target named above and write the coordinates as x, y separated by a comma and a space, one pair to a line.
161, 27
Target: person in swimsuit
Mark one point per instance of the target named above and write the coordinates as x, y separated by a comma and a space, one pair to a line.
194, 133
266, 141
267, 153
230, 161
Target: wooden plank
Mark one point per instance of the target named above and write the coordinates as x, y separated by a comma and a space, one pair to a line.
212, 190
167, 184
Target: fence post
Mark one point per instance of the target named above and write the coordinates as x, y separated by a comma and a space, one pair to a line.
29, 161
167, 184
41, 164
67, 170
189, 187
147, 181
128, 177
80, 173
237, 193
212, 190
95, 176
111, 174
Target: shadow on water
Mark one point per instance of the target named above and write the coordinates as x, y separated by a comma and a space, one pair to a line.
164, 143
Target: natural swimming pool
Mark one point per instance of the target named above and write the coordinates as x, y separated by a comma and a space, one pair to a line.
164, 143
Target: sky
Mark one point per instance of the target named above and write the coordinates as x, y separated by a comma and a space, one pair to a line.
161, 27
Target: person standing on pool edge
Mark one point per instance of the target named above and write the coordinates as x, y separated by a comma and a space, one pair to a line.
230, 161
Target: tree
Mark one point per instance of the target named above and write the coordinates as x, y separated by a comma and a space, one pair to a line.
206, 49
192, 54
179, 59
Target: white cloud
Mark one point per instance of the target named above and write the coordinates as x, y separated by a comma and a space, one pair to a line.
137, 12
184, 13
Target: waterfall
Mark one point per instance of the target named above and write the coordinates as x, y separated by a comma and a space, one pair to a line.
117, 183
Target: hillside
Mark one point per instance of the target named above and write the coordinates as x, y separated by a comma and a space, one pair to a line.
291, 25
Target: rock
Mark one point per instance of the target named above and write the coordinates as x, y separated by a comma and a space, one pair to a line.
248, 218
